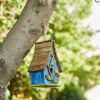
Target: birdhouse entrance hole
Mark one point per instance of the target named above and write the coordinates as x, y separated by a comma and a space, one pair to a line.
51, 70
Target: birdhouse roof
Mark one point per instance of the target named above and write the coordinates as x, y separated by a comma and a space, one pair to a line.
41, 54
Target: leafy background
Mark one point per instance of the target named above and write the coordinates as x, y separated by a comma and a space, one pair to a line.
65, 27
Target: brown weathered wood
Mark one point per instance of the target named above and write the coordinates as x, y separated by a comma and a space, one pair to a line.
37, 67
47, 41
41, 54
40, 57
43, 50
39, 63
43, 45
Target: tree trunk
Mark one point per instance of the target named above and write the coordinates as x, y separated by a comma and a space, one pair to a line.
29, 27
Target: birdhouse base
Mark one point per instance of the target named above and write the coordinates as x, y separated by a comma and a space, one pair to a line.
45, 85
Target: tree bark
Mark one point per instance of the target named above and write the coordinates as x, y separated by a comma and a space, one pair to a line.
29, 27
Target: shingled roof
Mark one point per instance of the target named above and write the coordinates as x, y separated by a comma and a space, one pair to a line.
41, 54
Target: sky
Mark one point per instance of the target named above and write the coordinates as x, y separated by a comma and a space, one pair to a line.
93, 22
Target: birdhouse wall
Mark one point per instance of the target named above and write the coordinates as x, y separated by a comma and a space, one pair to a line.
52, 65
49, 60
37, 77
53, 74
46, 72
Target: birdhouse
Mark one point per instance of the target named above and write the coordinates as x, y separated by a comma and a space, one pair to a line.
45, 68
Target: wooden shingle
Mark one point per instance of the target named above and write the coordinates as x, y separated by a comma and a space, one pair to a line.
41, 54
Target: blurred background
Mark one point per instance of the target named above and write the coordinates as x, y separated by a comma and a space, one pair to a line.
75, 26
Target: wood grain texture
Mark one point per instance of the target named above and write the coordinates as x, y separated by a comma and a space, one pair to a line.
41, 55
2, 93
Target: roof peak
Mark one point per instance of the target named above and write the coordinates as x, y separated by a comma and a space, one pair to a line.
41, 54
44, 41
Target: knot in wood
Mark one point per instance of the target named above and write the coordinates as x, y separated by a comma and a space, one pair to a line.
2, 93
34, 31
43, 2
54, 2
2, 62
44, 28
0, 45
37, 11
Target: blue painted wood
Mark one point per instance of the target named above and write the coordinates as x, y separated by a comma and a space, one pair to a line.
46, 72
54, 66
53, 74
49, 60
38, 77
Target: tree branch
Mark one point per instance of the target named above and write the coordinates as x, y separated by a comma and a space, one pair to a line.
29, 27
2, 94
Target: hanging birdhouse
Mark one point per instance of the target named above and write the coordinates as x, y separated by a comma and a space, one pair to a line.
45, 68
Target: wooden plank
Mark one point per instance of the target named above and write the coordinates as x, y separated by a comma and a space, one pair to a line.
44, 42
43, 50
43, 45
42, 56
36, 68
38, 63
40, 59
56, 57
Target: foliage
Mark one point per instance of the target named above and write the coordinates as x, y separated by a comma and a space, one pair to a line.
9, 12
66, 29
70, 92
